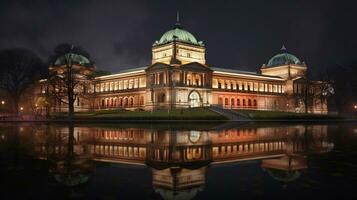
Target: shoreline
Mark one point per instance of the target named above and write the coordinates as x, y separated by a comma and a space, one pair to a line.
178, 120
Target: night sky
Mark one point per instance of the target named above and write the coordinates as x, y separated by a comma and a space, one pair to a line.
237, 34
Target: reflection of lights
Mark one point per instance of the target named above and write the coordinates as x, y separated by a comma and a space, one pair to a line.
2, 137
355, 107
355, 130
21, 108
21, 129
2, 102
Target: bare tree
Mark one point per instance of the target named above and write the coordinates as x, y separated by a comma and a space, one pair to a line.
20, 68
70, 74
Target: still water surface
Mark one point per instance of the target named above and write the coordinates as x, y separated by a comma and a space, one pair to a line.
178, 161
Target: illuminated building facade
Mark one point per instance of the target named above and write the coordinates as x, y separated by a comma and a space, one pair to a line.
179, 77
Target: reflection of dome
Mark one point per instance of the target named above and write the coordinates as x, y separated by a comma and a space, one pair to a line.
76, 59
283, 59
178, 195
284, 176
178, 34
286, 168
72, 179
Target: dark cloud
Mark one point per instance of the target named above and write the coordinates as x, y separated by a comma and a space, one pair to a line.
237, 34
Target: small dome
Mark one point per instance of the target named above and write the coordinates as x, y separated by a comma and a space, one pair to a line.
283, 59
76, 58
178, 34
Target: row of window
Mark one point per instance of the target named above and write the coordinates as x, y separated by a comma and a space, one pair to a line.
179, 52
248, 148
122, 102
120, 134
248, 86
121, 85
116, 150
237, 102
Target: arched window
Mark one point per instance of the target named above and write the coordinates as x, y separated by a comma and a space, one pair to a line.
255, 103
219, 85
131, 101
232, 102
249, 102
194, 99
103, 102
238, 102
120, 103
243, 102
226, 101
125, 101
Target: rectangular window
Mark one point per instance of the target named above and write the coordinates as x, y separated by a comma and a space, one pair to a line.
131, 83
214, 83
256, 86
142, 82
121, 85
126, 84
136, 83
261, 87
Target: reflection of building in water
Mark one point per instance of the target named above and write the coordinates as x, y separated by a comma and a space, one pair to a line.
178, 158
139, 146
178, 183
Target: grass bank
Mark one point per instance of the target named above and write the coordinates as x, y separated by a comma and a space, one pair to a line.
280, 115
175, 114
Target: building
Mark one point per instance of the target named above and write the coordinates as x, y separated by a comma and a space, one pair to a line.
179, 77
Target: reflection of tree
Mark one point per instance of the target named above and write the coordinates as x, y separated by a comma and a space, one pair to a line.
72, 169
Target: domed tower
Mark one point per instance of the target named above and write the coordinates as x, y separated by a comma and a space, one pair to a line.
284, 65
178, 46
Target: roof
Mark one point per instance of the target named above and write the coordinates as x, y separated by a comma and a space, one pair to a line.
75, 58
178, 34
244, 73
124, 72
283, 59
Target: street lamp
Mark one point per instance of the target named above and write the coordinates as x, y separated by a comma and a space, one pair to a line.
355, 107
2, 102
21, 108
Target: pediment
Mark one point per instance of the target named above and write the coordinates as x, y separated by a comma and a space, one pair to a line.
195, 66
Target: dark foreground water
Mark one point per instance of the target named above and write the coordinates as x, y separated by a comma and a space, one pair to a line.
178, 161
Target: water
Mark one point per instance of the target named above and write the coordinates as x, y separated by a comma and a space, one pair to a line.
178, 161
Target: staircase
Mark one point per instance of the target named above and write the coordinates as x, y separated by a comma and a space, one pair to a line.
230, 114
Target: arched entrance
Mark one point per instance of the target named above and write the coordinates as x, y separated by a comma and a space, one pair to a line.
194, 99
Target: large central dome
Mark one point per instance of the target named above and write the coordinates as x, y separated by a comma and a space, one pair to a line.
283, 59
178, 34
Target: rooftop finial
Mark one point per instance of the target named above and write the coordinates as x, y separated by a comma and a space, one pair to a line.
283, 48
177, 19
